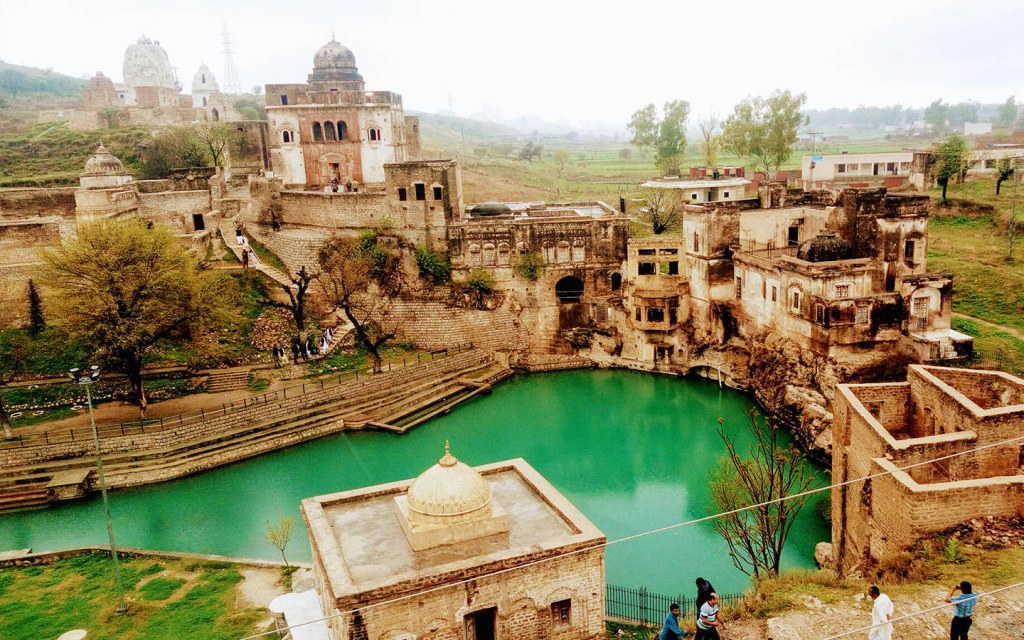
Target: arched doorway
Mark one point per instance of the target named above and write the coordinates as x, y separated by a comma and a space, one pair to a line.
216, 115
569, 289
616, 281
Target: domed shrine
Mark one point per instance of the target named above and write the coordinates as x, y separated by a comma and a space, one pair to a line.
335, 62
103, 170
400, 556
148, 76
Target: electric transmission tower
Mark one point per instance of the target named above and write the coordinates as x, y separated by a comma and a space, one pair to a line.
231, 83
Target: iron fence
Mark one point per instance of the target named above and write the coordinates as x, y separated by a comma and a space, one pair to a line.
84, 434
645, 607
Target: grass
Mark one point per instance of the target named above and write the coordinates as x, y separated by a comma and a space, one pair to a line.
196, 600
347, 361
267, 256
993, 349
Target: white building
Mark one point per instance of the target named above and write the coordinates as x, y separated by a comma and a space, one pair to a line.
841, 169
698, 191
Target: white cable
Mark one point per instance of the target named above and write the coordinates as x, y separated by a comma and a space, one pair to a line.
644, 534
944, 605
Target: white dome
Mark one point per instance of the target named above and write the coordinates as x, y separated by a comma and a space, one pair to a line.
103, 162
146, 65
449, 488
204, 80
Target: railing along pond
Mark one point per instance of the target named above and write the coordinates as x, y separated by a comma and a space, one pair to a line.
645, 607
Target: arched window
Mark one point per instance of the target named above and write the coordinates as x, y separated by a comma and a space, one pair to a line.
216, 114
329, 133
286, 136
489, 254
569, 289
204, 101
579, 252
474, 255
375, 134
563, 251
549, 252
503, 253
318, 132
616, 281
696, 241
204, 78
342, 130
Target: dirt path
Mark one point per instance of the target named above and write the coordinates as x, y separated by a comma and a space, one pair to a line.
991, 325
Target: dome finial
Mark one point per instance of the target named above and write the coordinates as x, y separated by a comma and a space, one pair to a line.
448, 460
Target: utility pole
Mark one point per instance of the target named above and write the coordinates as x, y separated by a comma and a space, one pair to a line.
1011, 229
231, 82
814, 148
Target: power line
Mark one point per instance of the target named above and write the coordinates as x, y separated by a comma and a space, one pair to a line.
231, 82
944, 605
802, 494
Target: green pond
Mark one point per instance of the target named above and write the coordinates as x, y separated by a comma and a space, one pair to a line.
632, 451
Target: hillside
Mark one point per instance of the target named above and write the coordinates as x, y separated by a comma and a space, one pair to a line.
17, 80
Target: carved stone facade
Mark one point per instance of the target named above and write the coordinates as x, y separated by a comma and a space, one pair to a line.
937, 413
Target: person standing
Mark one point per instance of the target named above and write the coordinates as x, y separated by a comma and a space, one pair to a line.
295, 349
245, 258
704, 591
670, 629
962, 617
708, 622
881, 615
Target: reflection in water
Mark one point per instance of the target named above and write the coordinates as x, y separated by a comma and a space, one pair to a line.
632, 451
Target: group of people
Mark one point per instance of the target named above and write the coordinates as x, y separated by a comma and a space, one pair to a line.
248, 255
303, 348
709, 622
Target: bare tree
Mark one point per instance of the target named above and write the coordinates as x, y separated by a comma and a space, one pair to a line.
711, 142
279, 534
215, 137
358, 276
661, 209
297, 293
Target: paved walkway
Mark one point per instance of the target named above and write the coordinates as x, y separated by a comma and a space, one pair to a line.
227, 231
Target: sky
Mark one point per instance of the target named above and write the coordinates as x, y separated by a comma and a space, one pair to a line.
586, 64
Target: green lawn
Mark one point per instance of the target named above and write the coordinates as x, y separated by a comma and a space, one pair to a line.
168, 598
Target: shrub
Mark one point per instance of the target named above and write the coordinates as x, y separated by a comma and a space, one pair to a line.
951, 552
480, 281
433, 266
529, 266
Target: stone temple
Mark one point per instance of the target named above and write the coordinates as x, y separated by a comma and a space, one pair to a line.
456, 553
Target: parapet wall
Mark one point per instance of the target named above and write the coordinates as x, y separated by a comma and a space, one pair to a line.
22, 203
435, 325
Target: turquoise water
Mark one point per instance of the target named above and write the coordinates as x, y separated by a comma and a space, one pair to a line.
632, 451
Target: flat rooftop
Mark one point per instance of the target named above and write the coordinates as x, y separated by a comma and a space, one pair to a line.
694, 183
520, 210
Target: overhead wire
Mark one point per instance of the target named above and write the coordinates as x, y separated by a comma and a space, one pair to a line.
608, 543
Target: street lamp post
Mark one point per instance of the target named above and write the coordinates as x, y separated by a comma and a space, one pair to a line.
86, 378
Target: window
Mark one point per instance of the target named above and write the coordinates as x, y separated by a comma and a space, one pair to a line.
890, 168
693, 196
990, 164
673, 268
739, 287
673, 315
796, 301
638, 314
329, 133
725, 194
474, 255
342, 130
669, 252
204, 101
645, 252
286, 136
646, 268
198, 222
819, 314
284, 99
437, 193
522, 248
775, 294
764, 290
616, 281
421, 191
579, 252
489, 254
908, 250
375, 134
862, 314
840, 168
794, 235
852, 167
403, 194
601, 313
318, 132
842, 290
563, 251
655, 314
560, 612
696, 241
503, 253
549, 252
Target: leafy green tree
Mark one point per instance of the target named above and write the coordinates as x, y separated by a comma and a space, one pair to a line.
625, 153
952, 157
215, 137
765, 129
1008, 112
561, 156
937, 114
122, 287
433, 266
356, 274
667, 136
279, 534
1005, 170
36, 321
15, 351
481, 283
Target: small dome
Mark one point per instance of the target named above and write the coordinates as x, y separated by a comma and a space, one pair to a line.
100, 81
449, 488
204, 80
826, 247
334, 55
103, 162
143, 40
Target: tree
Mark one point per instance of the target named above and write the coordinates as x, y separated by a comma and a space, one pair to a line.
667, 136
433, 266
279, 534
1005, 169
1008, 112
963, 112
296, 292
625, 153
15, 349
122, 287
529, 151
215, 137
936, 115
176, 148
661, 209
36, 321
12, 81
764, 130
257, 89
356, 276
561, 156
481, 283
952, 158
710, 141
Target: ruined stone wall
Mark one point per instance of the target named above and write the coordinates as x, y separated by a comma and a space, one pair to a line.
435, 325
25, 203
523, 598
175, 208
296, 247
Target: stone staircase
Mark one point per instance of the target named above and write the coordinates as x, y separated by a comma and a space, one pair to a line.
228, 380
406, 403
227, 231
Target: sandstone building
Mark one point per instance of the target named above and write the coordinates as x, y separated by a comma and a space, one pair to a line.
478, 553
332, 129
881, 428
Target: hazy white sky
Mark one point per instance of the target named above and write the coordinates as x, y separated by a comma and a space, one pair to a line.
582, 62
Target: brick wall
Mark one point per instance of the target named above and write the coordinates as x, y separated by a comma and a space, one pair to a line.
334, 210
174, 203
435, 325
21, 203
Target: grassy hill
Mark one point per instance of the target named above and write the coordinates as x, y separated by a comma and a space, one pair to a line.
17, 80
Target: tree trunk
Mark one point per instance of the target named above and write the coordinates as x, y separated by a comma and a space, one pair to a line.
285, 559
371, 350
140, 392
5, 421
999, 183
945, 184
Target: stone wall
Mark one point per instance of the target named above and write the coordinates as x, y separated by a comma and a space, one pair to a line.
175, 208
435, 325
25, 203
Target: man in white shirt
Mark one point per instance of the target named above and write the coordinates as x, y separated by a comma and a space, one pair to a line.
881, 616
708, 622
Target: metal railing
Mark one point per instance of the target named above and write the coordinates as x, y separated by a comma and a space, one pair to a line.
645, 607
156, 425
